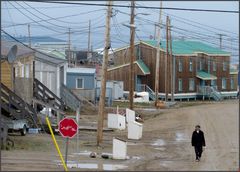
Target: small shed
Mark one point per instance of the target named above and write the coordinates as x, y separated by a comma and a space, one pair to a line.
82, 81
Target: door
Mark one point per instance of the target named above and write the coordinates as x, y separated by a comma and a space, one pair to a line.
61, 75
138, 83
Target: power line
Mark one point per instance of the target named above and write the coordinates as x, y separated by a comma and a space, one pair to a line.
34, 20
42, 18
67, 16
145, 7
25, 44
55, 18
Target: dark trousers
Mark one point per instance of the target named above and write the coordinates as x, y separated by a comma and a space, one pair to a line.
198, 151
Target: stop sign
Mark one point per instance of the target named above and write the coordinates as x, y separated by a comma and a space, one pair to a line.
68, 127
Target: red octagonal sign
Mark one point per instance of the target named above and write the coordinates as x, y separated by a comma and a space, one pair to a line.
68, 127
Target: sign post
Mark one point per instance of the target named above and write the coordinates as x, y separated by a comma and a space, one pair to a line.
68, 129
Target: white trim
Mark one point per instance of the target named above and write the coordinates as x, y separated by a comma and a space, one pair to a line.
127, 64
77, 82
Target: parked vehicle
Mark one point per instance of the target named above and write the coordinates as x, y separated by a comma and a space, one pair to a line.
16, 125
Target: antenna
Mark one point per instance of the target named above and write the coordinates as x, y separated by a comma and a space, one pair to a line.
11, 56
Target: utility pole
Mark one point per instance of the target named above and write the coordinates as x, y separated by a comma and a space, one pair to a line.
155, 30
220, 40
89, 40
29, 36
104, 75
172, 65
158, 55
69, 46
132, 56
166, 62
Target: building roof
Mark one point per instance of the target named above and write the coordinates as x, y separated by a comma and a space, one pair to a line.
39, 39
55, 53
49, 58
184, 47
143, 67
82, 70
21, 49
205, 76
233, 71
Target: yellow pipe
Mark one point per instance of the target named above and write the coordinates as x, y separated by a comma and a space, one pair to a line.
56, 145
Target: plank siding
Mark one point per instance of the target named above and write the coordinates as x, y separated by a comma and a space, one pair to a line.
6, 73
148, 55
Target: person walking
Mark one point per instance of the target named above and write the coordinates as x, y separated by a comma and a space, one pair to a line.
198, 141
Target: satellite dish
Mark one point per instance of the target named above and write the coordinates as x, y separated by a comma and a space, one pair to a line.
11, 56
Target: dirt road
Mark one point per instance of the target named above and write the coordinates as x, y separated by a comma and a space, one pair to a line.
166, 143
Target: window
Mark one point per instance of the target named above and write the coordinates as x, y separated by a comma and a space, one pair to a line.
224, 83
27, 70
179, 84
200, 65
22, 71
180, 65
214, 66
213, 82
232, 83
79, 83
224, 66
190, 65
209, 66
191, 84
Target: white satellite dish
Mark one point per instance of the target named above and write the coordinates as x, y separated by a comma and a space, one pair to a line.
11, 56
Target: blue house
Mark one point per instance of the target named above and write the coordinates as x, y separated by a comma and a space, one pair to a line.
82, 81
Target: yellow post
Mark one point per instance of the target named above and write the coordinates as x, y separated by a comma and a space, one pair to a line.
56, 145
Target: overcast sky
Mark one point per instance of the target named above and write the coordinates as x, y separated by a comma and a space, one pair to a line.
182, 21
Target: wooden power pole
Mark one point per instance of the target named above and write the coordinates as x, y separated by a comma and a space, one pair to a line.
172, 67
132, 56
89, 40
29, 36
166, 62
104, 76
69, 46
158, 56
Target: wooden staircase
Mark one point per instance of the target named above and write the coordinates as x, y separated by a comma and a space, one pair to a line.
15, 107
45, 95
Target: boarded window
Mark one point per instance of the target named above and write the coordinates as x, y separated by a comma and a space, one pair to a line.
224, 66
79, 83
232, 83
191, 84
214, 66
200, 65
209, 66
179, 84
180, 65
224, 83
190, 65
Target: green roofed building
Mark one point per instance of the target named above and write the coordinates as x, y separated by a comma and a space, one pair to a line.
197, 69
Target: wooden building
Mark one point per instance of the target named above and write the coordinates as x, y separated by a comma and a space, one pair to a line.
8, 71
199, 69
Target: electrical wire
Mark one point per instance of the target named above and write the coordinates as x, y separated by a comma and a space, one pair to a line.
144, 7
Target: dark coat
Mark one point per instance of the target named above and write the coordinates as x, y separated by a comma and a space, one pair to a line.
198, 139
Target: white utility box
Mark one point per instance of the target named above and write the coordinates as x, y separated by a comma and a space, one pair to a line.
130, 115
135, 130
116, 121
119, 148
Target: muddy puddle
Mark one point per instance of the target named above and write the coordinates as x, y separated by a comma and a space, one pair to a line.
180, 137
95, 166
159, 142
